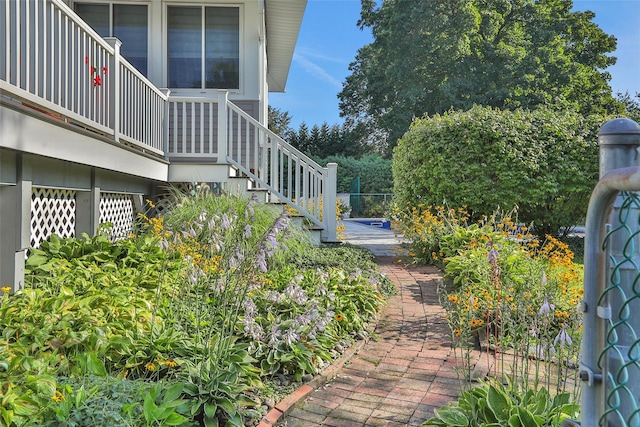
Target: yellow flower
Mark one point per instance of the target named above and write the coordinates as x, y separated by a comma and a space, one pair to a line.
150, 367
58, 397
476, 323
339, 317
452, 298
170, 363
6, 289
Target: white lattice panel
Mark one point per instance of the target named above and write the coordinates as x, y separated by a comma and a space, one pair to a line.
118, 210
53, 211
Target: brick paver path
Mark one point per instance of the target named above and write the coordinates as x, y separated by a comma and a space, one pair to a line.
398, 379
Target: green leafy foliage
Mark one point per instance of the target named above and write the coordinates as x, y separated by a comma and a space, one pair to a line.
631, 104
374, 172
106, 401
543, 162
279, 121
513, 296
162, 328
428, 57
325, 140
496, 404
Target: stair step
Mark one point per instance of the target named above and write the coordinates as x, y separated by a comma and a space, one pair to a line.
315, 235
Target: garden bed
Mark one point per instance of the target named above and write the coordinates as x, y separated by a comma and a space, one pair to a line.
207, 316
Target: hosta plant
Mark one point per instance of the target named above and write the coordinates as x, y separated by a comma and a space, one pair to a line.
494, 404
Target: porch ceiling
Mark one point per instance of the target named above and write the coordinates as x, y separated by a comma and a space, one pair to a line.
283, 19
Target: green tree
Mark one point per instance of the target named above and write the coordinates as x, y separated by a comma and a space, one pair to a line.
631, 104
430, 56
544, 162
279, 122
374, 172
325, 140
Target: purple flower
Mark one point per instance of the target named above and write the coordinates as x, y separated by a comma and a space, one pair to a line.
543, 351
250, 308
355, 275
296, 293
225, 222
291, 336
273, 296
324, 276
247, 231
546, 307
492, 257
272, 241
321, 290
233, 262
254, 200
544, 278
274, 335
164, 244
563, 338
253, 329
261, 261
195, 274
302, 319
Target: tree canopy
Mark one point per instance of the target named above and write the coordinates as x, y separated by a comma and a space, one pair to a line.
279, 121
428, 57
319, 141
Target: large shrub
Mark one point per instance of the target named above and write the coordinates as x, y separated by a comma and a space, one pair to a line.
543, 161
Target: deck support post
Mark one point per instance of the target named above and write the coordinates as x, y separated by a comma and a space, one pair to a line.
15, 229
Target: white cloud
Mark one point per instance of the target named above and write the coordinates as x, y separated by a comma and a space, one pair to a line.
313, 53
316, 70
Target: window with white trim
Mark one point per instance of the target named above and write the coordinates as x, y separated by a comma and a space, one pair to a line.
203, 47
127, 22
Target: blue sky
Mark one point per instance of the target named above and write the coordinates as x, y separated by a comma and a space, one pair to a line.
329, 40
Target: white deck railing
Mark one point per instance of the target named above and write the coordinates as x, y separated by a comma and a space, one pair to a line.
196, 125
283, 170
52, 60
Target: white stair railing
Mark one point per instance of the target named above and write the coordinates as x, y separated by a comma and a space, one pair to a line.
51, 60
286, 172
197, 127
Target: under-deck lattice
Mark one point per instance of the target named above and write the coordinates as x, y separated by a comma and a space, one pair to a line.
53, 211
118, 210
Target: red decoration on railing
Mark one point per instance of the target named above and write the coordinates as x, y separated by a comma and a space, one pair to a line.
95, 76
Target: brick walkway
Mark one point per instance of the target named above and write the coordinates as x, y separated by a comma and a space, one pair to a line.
398, 379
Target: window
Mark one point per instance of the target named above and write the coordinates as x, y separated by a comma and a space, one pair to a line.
203, 47
128, 23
